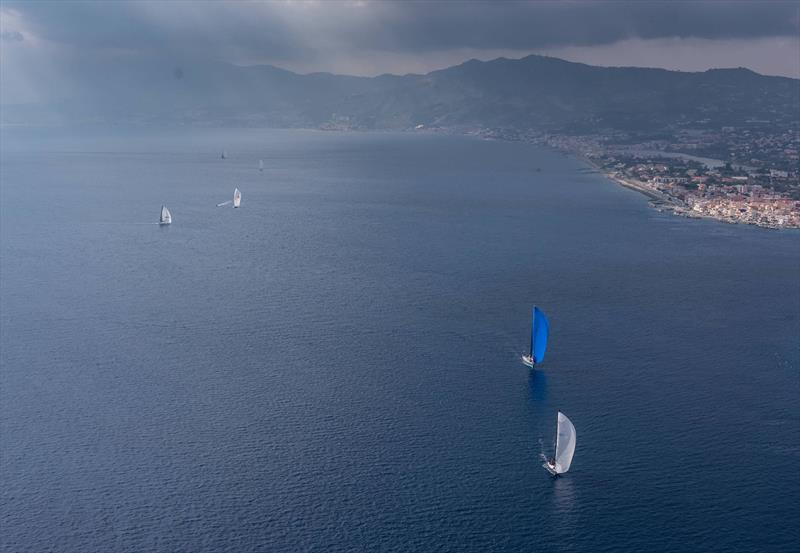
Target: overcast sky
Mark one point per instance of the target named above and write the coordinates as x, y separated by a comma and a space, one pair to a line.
372, 37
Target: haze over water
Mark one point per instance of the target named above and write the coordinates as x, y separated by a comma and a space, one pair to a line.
335, 366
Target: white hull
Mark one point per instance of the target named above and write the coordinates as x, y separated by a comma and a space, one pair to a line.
550, 468
527, 360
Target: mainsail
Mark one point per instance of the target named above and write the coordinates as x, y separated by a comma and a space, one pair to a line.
166, 216
237, 197
565, 443
260, 164
539, 332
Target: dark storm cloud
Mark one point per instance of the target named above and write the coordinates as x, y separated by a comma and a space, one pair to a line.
199, 29
529, 25
302, 30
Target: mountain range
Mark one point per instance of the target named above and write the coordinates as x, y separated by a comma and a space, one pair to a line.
535, 92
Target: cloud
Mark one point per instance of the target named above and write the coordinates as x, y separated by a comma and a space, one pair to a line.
305, 30
11, 36
526, 25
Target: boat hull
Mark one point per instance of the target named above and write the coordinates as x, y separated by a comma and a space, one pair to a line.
549, 468
527, 360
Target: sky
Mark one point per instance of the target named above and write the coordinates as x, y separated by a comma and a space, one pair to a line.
40, 40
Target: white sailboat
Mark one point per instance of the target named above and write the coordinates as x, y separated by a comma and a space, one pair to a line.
261, 165
566, 437
237, 197
166, 216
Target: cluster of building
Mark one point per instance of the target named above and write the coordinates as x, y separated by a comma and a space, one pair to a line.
773, 213
753, 145
737, 195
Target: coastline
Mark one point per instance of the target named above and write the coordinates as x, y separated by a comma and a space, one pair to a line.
654, 196
658, 200
729, 206
664, 202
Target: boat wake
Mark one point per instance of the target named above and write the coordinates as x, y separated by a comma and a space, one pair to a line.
225, 203
121, 223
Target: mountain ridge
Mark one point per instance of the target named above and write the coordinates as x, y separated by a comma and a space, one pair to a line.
534, 92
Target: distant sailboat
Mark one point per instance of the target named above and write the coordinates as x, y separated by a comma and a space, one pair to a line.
224, 154
261, 165
566, 438
237, 198
166, 216
540, 329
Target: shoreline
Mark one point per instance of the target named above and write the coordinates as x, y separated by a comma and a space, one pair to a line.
652, 195
663, 202
759, 212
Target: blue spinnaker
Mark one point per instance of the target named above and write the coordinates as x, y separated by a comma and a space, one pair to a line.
539, 332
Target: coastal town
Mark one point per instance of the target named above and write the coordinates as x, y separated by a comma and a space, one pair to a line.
692, 189
747, 176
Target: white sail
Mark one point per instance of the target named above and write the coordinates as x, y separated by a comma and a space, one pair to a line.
166, 216
260, 164
237, 197
565, 443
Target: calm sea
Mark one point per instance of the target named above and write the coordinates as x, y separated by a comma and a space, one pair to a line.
334, 367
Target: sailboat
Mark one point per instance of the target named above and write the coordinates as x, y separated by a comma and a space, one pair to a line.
166, 216
224, 154
566, 437
261, 165
540, 329
237, 197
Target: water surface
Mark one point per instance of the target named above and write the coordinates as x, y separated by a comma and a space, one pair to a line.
335, 366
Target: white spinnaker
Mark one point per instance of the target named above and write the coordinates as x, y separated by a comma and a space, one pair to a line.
565, 443
237, 197
166, 216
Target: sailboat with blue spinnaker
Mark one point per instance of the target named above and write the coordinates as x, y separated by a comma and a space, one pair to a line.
540, 329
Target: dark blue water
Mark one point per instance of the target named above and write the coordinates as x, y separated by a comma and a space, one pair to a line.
335, 366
